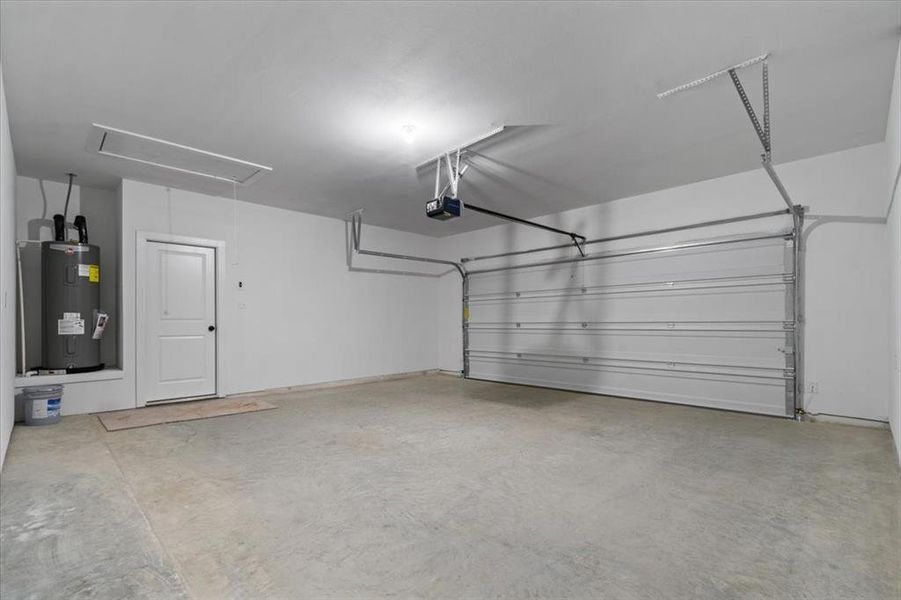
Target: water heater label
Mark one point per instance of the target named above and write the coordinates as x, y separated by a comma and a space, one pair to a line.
100, 326
92, 272
70, 326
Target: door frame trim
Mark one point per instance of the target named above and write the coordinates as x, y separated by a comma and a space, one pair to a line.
218, 247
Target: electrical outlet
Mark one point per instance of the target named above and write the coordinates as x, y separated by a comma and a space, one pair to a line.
813, 387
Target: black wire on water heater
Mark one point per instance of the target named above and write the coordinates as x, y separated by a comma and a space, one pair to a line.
68, 194
59, 220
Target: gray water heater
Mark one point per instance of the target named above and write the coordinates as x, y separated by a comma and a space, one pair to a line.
73, 321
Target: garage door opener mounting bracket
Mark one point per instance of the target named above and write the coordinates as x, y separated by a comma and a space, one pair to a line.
763, 131
444, 206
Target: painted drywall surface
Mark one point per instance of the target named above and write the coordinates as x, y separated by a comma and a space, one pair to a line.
7, 277
301, 316
36, 203
846, 286
893, 143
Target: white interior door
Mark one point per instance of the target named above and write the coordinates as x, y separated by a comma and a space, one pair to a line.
179, 318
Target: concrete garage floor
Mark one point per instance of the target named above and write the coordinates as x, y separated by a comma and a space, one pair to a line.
438, 487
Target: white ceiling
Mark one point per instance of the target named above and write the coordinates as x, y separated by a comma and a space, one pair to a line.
321, 91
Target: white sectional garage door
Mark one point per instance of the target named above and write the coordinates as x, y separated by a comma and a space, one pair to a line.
709, 325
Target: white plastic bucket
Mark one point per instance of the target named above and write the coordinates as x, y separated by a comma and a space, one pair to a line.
42, 404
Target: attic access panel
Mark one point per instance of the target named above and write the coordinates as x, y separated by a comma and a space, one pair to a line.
135, 147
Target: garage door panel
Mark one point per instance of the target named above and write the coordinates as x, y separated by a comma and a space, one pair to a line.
764, 351
757, 258
766, 396
748, 304
644, 326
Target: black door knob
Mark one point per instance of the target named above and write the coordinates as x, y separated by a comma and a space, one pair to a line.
212, 328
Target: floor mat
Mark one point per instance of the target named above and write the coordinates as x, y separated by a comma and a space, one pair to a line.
183, 411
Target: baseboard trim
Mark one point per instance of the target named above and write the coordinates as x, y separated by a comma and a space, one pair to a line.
338, 383
840, 420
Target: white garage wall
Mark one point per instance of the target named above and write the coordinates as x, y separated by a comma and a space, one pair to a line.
7, 277
846, 286
305, 319
893, 142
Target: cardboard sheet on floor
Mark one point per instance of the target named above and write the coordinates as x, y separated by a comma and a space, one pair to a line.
183, 411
